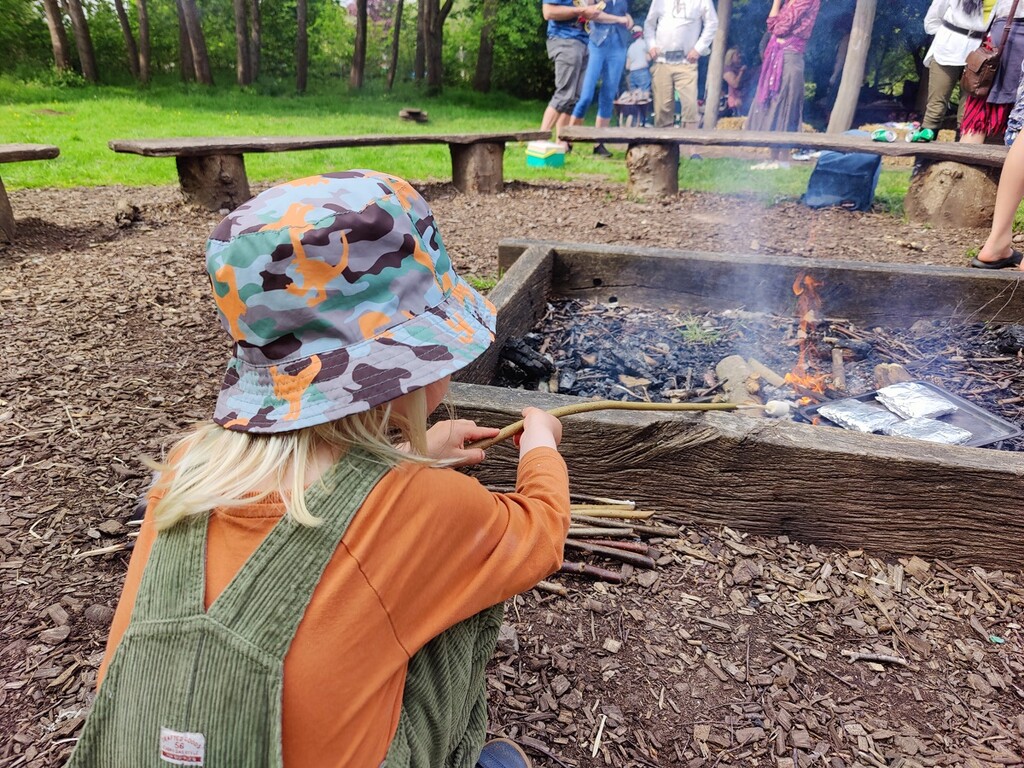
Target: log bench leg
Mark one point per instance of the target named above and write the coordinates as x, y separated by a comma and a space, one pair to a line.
653, 170
214, 181
6, 216
478, 167
948, 194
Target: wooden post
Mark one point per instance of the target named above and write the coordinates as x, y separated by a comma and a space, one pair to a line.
716, 66
478, 167
653, 170
6, 216
214, 181
853, 70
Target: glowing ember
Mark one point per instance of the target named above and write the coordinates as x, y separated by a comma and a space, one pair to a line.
808, 307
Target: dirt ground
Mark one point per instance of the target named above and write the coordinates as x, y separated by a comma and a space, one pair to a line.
736, 650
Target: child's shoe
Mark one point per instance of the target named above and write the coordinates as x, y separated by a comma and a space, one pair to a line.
922, 135
503, 753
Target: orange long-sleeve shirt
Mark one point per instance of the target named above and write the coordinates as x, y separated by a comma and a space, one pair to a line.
428, 548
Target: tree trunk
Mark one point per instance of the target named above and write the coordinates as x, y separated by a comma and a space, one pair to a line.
393, 68
129, 39
58, 36
355, 79
255, 37
301, 46
420, 62
188, 67
433, 43
485, 56
716, 66
83, 41
144, 69
197, 42
853, 69
243, 60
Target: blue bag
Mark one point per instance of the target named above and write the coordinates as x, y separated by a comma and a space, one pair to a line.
844, 179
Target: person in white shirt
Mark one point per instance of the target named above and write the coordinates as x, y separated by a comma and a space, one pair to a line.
678, 33
958, 27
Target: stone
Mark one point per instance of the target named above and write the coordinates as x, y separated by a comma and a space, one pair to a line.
508, 640
55, 635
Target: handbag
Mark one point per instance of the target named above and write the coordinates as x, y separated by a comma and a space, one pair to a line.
983, 62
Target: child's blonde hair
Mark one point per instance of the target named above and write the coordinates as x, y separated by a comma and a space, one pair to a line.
214, 467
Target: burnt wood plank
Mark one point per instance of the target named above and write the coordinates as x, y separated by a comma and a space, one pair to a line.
819, 485
520, 298
14, 153
895, 295
969, 154
236, 145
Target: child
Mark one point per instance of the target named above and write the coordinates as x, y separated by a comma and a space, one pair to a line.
304, 592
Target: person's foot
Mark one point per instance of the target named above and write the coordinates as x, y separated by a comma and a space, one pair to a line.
602, 150
1012, 259
503, 753
922, 135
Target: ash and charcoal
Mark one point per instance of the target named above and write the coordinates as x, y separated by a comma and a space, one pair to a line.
613, 352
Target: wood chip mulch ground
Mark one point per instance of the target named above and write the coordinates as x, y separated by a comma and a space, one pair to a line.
732, 650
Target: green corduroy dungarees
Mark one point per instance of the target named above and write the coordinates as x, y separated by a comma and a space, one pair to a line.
182, 674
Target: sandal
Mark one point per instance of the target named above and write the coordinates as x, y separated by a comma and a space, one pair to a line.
1013, 260
503, 753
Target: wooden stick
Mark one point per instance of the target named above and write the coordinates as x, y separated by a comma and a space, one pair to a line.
124, 546
602, 522
640, 561
879, 657
608, 405
550, 586
765, 372
838, 371
618, 514
626, 546
591, 571
581, 532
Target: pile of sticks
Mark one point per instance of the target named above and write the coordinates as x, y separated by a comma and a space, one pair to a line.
610, 529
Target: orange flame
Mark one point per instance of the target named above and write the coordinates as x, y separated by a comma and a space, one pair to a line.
808, 308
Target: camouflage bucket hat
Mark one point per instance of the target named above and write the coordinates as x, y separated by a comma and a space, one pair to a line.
339, 295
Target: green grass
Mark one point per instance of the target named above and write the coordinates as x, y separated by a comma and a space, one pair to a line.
81, 120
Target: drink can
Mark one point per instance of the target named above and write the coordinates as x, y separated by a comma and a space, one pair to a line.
884, 134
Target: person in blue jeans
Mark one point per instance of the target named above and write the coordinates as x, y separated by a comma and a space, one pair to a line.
606, 59
638, 73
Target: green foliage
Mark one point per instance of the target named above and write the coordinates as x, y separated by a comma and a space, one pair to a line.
697, 330
24, 39
521, 65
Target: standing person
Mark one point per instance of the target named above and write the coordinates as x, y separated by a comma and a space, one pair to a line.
606, 58
678, 33
998, 251
958, 27
779, 101
985, 118
638, 62
567, 49
305, 591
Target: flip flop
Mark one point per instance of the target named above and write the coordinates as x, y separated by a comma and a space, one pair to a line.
503, 753
1013, 260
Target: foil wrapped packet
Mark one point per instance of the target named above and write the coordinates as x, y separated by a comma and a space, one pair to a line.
908, 400
858, 415
932, 430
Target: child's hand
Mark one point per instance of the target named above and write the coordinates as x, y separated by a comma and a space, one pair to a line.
446, 440
540, 429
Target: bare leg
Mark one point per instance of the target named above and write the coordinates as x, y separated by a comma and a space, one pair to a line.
1008, 198
549, 119
972, 138
602, 122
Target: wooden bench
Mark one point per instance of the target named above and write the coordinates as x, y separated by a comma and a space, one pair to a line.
653, 160
212, 170
15, 153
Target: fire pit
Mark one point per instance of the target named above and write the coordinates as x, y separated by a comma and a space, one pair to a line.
890, 495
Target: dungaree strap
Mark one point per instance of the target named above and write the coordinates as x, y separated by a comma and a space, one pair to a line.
267, 598
177, 564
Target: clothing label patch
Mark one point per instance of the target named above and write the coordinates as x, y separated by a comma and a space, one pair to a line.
180, 748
